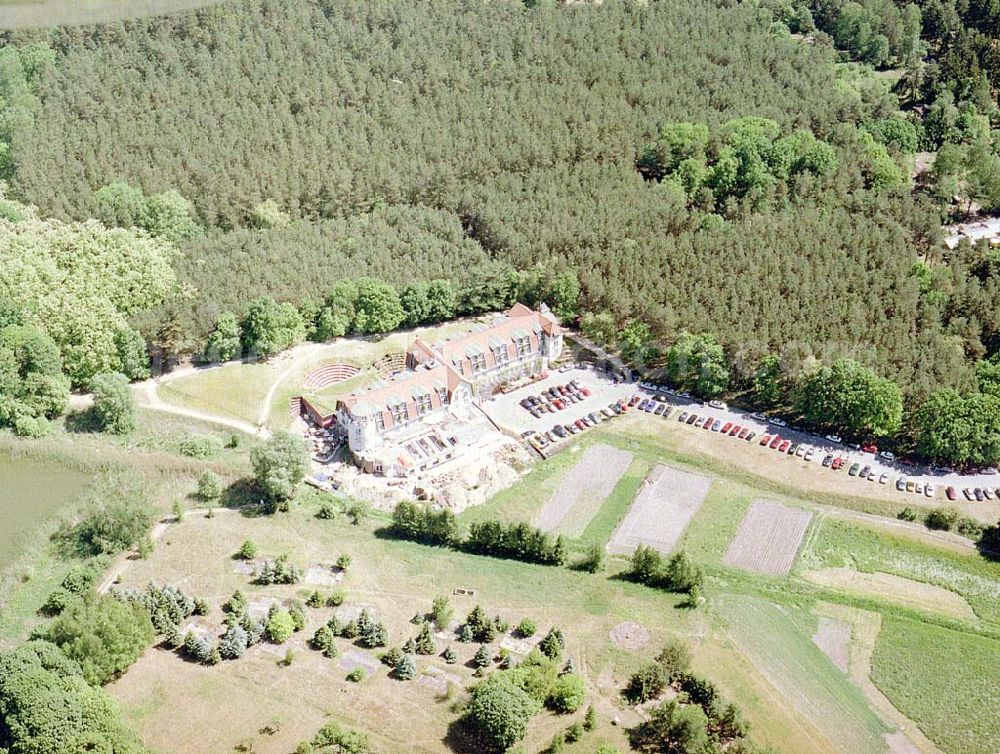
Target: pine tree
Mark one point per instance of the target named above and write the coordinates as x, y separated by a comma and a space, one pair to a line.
406, 668
424, 644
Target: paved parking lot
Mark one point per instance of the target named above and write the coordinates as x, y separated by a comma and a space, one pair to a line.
507, 412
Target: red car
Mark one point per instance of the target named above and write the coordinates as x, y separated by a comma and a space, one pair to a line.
784, 446
765, 439
584, 390
775, 442
580, 424
735, 430
837, 463
635, 400
558, 403
869, 448
950, 493
623, 406
726, 427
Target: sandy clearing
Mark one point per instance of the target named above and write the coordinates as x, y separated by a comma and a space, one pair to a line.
897, 589
768, 539
661, 511
583, 490
834, 638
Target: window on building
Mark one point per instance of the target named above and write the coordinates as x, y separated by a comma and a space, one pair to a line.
523, 346
380, 421
443, 395
398, 413
500, 354
478, 362
423, 403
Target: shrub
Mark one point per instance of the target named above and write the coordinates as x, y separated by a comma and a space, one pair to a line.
325, 512
356, 676
112, 527
907, 514
441, 612
280, 626
247, 551
552, 644
233, 643
483, 656
209, 487
279, 571
197, 647
574, 733
279, 465
969, 527
567, 694
114, 407
336, 599
590, 719
200, 607
527, 627
200, 446
344, 562
406, 668
425, 641
315, 600
323, 638
166, 605
449, 656
480, 627
236, 604
941, 518
103, 635
593, 559
674, 658
646, 683
392, 657
500, 711
298, 616
699, 690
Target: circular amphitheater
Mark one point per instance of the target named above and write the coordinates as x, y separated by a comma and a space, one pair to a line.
330, 374
390, 364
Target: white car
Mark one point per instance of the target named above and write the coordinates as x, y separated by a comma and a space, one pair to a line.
834, 438
883, 479
758, 416
778, 422
887, 455
929, 490
647, 386
919, 488
720, 405
567, 367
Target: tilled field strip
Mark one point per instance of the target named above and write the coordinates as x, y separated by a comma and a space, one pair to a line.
661, 511
583, 490
768, 539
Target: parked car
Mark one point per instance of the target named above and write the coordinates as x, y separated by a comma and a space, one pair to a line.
837, 464
828, 460
801, 450
888, 455
743, 433
810, 452
571, 428
883, 478
869, 448
660, 409
765, 440
716, 425
783, 447
692, 418
709, 423
834, 438
581, 423
968, 493
793, 449
750, 436
634, 400
910, 485
726, 427
775, 442
758, 416
683, 417
855, 467
929, 489
778, 422
988, 493
585, 391
918, 487
865, 472
558, 431
720, 405
950, 493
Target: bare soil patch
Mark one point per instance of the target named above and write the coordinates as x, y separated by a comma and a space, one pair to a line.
324, 575
768, 538
834, 638
896, 589
355, 658
661, 511
583, 490
630, 636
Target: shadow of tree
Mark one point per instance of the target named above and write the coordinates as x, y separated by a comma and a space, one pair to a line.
82, 422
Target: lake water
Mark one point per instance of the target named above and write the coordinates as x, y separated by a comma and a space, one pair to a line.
30, 494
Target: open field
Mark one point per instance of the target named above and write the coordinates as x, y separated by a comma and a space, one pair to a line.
894, 589
661, 511
26, 14
839, 544
944, 680
777, 640
768, 539
583, 490
399, 579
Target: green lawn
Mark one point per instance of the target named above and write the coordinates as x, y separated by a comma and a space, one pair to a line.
777, 640
947, 681
234, 390
840, 544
